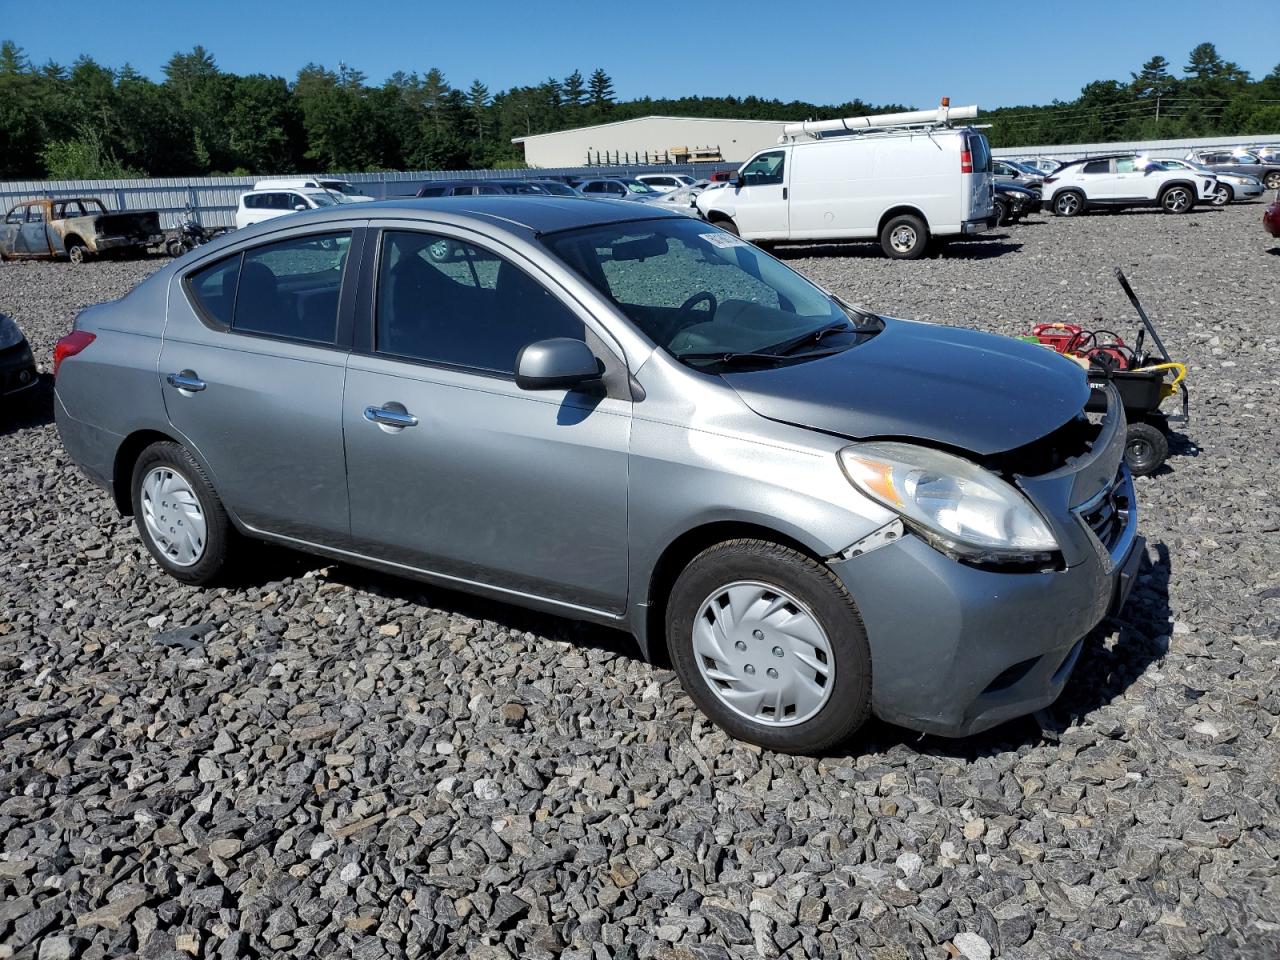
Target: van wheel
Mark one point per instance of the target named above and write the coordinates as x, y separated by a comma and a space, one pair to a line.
904, 237
770, 646
728, 226
179, 516
1069, 203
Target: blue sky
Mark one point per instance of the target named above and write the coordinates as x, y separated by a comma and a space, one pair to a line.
993, 54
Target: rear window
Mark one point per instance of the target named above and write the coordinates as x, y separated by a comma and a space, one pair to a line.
980, 151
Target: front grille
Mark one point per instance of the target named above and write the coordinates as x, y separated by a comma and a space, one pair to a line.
1108, 517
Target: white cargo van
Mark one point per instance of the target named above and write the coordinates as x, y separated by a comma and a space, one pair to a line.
903, 179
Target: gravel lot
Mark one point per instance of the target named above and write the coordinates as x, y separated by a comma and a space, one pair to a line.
328, 762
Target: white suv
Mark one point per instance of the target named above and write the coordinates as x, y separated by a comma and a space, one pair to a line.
666, 182
1125, 181
258, 205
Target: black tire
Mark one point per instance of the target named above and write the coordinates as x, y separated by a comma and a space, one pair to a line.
1002, 213
1223, 195
849, 703
1177, 199
904, 237
1272, 180
1068, 203
1145, 449
219, 534
727, 225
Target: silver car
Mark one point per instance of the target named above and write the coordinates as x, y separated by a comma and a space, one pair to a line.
618, 414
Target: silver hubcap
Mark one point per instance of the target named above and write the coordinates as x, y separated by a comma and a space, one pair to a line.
1220, 197
1175, 200
440, 250
763, 654
172, 515
1068, 203
903, 239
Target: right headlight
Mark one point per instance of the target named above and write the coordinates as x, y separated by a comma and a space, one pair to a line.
962, 509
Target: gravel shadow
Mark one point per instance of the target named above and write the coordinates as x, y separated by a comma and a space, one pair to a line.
989, 247
29, 409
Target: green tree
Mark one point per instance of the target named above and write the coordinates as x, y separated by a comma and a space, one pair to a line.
574, 90
600, 89
1154, 80
478, 102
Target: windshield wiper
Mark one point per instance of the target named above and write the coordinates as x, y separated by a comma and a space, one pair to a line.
729, 358
812, 336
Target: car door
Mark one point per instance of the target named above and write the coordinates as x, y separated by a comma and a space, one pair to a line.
252, 369
761, 201
35, 233
11, 230
1130, 181
452, 468
1097, 177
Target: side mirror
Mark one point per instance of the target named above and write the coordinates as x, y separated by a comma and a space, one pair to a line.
556, 364
736, 180
301, 206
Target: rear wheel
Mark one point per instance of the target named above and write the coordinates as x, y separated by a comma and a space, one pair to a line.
1069, 203
1177, 199
1145, 448
769, 645
1273, 180
904, 237
179, 516
77, 252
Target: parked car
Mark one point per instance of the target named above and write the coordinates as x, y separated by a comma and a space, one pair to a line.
1124, 180
1267, 153
902, 188
1221, 161
76, 228
557, 188
17, 366
1013, 202
1006, 171
1231, 186
1271, 217
620, 415
666, 182
344, 190
259, 205
618, 188
1045, 165
472, 188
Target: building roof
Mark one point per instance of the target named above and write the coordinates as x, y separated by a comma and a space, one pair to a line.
618, 123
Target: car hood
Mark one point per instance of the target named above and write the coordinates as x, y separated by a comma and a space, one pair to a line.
978, 392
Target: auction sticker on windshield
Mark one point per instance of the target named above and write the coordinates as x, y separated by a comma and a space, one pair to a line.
722, 239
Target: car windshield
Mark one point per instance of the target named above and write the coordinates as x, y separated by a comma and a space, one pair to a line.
323, 199
340, 186
706, 296
635, 186
559, 189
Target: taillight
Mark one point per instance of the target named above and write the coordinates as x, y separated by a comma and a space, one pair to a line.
966, 161
69, 346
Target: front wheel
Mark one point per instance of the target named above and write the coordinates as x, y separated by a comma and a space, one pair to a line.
179, 516
1273, 180
904, 237
1222, 196
1002, 213
770, 646
1177, 200
728, 226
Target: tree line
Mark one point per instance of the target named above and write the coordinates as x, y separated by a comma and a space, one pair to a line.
92, 121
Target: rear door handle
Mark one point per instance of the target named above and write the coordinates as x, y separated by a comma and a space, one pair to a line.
186, 381
389, 416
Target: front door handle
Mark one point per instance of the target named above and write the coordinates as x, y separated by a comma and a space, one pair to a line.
186, 381
390, 415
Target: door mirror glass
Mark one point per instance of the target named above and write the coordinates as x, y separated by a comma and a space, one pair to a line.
556, 364
735, 179
299, 206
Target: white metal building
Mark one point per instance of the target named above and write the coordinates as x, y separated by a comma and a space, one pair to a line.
737, 140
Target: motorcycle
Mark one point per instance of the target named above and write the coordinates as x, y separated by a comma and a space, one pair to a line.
191, 233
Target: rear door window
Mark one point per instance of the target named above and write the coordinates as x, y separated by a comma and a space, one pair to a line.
290, 289
1097, 166
213, 288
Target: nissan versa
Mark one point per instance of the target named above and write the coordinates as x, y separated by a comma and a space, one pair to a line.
627, 416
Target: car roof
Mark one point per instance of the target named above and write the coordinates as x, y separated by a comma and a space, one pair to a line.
531, 215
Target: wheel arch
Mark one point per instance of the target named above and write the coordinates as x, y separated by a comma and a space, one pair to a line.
678, 554
899, 210
126, 456
1170, 184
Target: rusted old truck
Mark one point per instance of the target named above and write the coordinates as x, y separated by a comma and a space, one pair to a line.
77, 229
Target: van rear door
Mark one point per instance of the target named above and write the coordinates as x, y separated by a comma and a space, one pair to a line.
976, 171
761, 201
